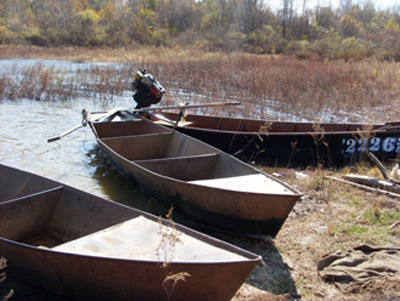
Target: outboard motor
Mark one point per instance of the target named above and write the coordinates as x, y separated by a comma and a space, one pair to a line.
148, 90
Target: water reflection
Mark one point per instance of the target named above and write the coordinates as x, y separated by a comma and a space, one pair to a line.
115, 186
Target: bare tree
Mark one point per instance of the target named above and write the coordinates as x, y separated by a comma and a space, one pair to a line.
253, 15
345, 5
303, 16
286, 16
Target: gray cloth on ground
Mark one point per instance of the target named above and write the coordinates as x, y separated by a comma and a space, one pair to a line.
350, 269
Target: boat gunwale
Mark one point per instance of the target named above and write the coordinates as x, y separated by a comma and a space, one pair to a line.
381, 127
272, 133
249, 257
24, 197
137, 135
294, 191
178, 158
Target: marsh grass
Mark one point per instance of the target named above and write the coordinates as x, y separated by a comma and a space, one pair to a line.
310, 89
40, 82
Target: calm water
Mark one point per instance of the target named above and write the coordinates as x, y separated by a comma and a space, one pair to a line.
75, 160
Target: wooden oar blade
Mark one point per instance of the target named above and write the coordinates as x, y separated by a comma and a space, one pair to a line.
53, 139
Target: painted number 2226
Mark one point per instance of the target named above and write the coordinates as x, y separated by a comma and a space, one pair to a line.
375, 144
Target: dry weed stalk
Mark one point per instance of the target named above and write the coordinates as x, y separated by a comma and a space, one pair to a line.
364, 135
318, 135
264, 129
169, 238
293, 146
171, 280
274, 282
3, 265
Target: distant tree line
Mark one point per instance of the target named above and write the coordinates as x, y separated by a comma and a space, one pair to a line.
350, 30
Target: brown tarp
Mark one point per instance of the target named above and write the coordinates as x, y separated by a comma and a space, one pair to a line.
350, 269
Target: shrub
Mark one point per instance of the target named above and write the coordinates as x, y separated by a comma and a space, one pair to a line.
33, 35
6, 35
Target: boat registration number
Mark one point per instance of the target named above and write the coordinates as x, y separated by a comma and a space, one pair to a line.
375, 144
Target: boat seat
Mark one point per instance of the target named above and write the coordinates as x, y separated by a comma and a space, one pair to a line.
181, 123
158, 160
23, 198
31, 216
182, 167
138, 136
254, 183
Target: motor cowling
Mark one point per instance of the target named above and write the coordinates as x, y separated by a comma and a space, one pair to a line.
148, 90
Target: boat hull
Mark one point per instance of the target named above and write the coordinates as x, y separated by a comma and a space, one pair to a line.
88, 278
42, 221
295, 144
265, 218
174, 169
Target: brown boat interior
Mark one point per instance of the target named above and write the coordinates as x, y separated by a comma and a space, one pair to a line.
40, 212
47, 219
134, 126
253, 125
177, 156
68, 220
173, 155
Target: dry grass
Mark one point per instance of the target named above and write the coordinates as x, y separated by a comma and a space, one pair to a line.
3, 276
365, 90
330, 217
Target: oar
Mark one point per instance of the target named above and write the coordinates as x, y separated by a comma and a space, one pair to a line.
162, 118
174, 124
188, 106
65, 133
108, 114
181, 113
84, 122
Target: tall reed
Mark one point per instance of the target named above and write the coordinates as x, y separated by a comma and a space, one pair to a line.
268, 86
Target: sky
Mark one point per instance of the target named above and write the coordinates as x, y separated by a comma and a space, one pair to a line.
379, 4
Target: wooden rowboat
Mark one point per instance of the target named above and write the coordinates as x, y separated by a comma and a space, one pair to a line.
208, 186
293, 143
84, 247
